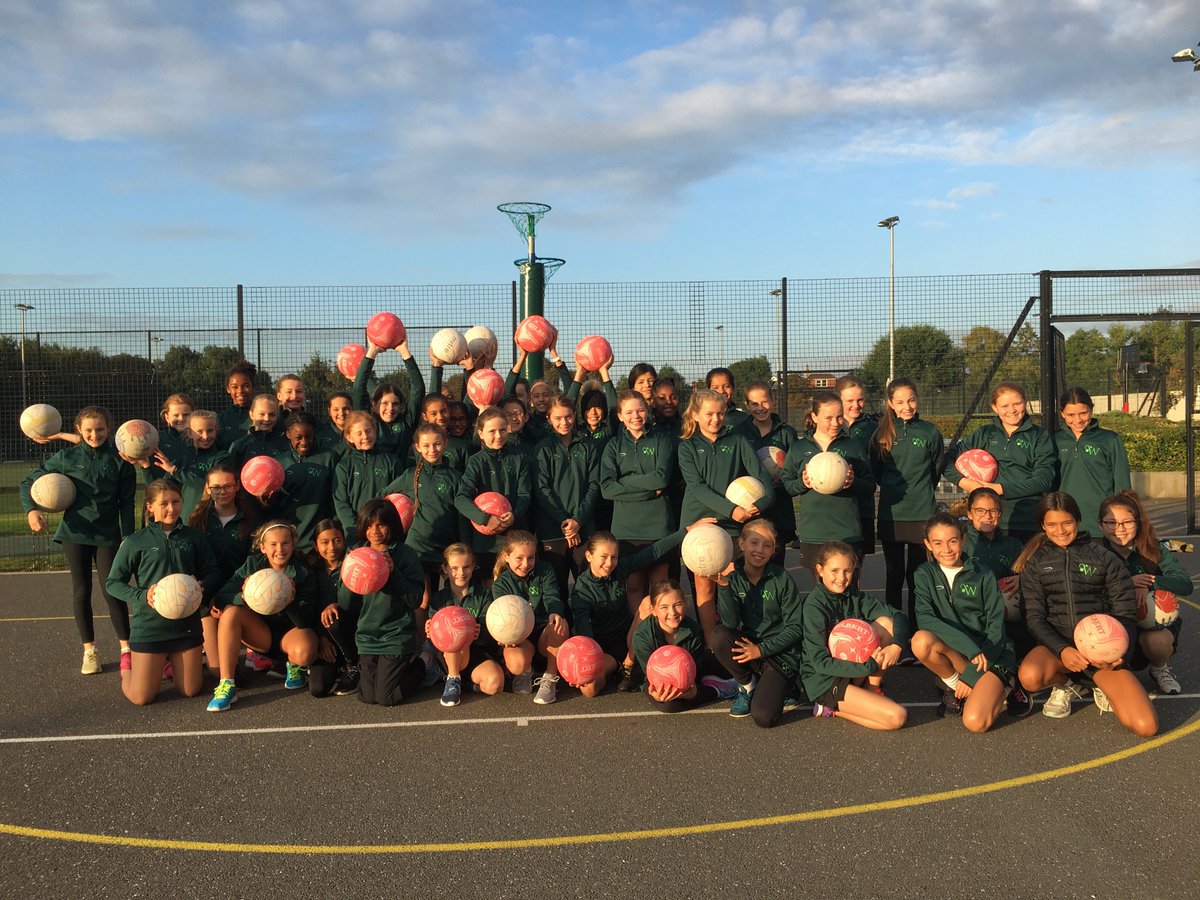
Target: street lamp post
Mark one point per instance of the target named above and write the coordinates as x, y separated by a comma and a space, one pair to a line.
890, 224
24, 308
720, 329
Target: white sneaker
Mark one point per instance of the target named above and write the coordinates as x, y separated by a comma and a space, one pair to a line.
91, 662
547, 689
1101, 700
1058, 706
1167, 684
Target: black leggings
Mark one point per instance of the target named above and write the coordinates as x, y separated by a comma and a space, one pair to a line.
899, 574
386, 679
79, 561
766, 704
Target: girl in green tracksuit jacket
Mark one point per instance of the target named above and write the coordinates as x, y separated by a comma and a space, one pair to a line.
93, 525
960, 612
1024, 452
766, 430
497, 467
479, 661
164, 547
860, 423
841, 687
264, 437
905, 453
191, 464
395, 417
1092, 463
307, 493
991, 548
363, 473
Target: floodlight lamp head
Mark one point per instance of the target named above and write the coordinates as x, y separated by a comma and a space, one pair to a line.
24, 307
890, 222
1185, 55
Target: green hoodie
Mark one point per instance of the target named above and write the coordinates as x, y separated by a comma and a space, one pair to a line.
540, 588
709, 467
505, 471
968, 618
829, 517
822, 610
1026, 461
436, 523
648, 637
566, 485
1091, 468
909, 474
104, 486
769, 612
303, 612
387, 623
600, 606
636, 476
782, 512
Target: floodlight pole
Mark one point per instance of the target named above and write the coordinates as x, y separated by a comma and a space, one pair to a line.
24, 308
890, 224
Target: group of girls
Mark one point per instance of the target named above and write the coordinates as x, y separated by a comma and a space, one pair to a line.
597, 504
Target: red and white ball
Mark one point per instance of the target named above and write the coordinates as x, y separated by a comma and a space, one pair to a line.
494, 504
41, 421
1010, 589
385, 330
1101, 639
707, 550
593, 352
137, 439
448, 345
364, 570
509, 619
451, 629
404, 508
745, 491
53, 492
177, 596
671, 667
485, 388
1154, 608
535, 334
772, 459
978, 465
268, 592
482, 344
262, 475
349, 358
853, 640
580, 660
827, 472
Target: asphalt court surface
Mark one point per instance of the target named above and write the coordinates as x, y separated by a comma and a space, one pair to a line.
288, 795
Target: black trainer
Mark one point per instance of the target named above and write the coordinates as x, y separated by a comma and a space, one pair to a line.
1020, 704
629, 682
347, 682
950, 705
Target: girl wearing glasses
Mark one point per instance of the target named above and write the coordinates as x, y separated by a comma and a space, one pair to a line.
1129, 534
1092, 463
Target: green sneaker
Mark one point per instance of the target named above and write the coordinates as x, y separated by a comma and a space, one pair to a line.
740, 708
224, 696
297, 677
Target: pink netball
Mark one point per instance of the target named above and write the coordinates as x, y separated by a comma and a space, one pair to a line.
671, 667
592, 352
1154, 607
580, 660
452, 629
535, 334
772, 459
137, 439
485, 387
978, 465
404, 507
262, 475
348, 359
853, 640
493, 504
1101, 639
364, 571
386, 330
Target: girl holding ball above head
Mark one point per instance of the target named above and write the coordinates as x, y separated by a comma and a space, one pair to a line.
843, 687
758, 640
498, 467
394, 417
1129, 534
291, 632
93, 525
711, 456
1092, 463
1065, 576
824, 517
158, 636
960, 612
1024, 453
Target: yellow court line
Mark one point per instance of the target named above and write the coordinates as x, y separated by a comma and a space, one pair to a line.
612, 836
1188, 602
42, 619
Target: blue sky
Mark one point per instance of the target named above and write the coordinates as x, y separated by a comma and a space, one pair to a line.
320, 142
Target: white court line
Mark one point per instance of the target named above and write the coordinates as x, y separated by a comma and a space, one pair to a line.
439, 723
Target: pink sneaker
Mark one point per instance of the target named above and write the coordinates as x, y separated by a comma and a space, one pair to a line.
256, 662
126, 660
168, 672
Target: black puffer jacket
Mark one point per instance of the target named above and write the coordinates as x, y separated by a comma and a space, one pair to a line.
1061, 585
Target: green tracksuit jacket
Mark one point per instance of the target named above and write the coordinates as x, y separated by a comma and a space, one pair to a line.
540, 589
566, 485
1026, 461
387, 623
770, 612
828, 517
636, 475
1091, 468
436, 522
968, 618
104, 486
708, 467
600, 606
824, 609
782, 512
908, 476
505, 471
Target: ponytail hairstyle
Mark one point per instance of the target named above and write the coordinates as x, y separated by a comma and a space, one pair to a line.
160, 486
830, 549
941, 518
1004, 387
300, 417
423, 429
248, 508
884, 437
1146, 542
558, 398
600, 537
762, 525
659, 588
486, 415
1075, 395
819, 399
512, 540
180, 399
1055, 501
692, 414
94, 412
261, 534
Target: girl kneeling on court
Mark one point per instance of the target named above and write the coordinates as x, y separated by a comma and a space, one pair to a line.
290, 633
389, 666
758, 638
1064, 577
666, 625
519, 572
960, 612
476, 662
164, 547
839, 687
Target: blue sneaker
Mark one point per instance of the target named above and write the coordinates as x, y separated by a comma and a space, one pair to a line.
740, 708
297, 677
224, 696
452, 692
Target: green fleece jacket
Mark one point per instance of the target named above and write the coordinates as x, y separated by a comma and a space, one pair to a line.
1091, 468
307, 494
1026, 459
540, 588
1168, 574
968, 617
505, 471
648, 637
146, 557
102, 513
829, 517
436, 523
908, 475
636, 476
387, 624
782, 512
361, 475
769, 611
303, 612
822, 610
600, 606
476, 601
997, 553
708, 467
566, 485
